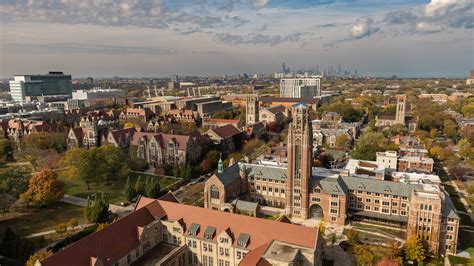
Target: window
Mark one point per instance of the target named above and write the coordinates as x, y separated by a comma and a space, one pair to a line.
282, 191
351, 205
385, 195
404, 198
450, 228
377, 194
377, 201
351, 198
394, 211
449, 237
334, 203
226, 252
316, 199
368, 193
334, 196
334, 211
404, 205
270, 189
264, 188
276, 190
224, 240
376, 209
317, 190
385, 210
404, 213
359, 198
333, 219
395, 196
359, 206
394, 204
367, 200
385, 203
176, 229
367, 207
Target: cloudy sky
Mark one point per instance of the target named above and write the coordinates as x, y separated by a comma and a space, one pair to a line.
104, 38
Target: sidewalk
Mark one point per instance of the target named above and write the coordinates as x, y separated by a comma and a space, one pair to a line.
80, 227
117, 209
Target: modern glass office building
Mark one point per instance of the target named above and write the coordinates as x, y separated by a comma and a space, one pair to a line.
53, 83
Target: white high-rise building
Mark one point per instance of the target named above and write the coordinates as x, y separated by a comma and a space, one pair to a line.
300, 87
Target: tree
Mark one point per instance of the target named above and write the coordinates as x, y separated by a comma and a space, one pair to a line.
6, 150
450, 128
210, 161
152, 188
465, 149
115, 165
13, 182
353, 237
84, 165
369, 144
251, 146
101, 226
139, 186
98, 210
364, 253
322, 229
15, 247
433, 133
468, 110
38, 256
44, 188
72, 223
414, 249
342, 141
129, 191
61, 228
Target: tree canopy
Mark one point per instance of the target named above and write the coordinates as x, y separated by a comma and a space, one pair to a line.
369, 144
44, 188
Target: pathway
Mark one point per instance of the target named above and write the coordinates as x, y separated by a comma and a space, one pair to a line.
80, 227
117, 209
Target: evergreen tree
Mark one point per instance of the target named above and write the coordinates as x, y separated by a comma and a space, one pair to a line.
12, 246
139, 187
87, 209
152, 189
129, 191
100, 210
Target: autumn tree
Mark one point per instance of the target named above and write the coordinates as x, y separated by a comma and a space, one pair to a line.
61, 228
414, 250
72, 223
84, 165
38, 256
365, 254
465, 149
44, 188
209, 163
342, 141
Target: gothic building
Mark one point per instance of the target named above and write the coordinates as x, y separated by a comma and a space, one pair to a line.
422, 209
252, 110
400, 118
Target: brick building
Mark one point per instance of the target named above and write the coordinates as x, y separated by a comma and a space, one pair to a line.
359, 192
161, 232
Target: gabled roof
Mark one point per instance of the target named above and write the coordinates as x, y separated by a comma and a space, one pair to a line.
276, 109
103, 244
226, 131
261, 231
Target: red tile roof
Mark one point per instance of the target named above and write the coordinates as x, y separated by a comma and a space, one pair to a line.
109, 244
260, 230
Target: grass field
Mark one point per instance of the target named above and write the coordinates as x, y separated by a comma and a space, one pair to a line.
35, 220
114, 191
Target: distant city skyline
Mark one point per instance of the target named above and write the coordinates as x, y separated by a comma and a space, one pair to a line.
159, 38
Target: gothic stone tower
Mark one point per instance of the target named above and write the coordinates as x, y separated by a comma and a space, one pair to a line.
401, 109
252, 110
300, 148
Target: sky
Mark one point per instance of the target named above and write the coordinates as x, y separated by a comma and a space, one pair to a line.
158, 38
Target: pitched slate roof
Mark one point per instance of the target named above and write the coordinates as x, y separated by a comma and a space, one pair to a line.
380, 186
226, 131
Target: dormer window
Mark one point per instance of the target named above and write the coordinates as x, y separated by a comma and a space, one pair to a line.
209, 233
243, 240
194, 229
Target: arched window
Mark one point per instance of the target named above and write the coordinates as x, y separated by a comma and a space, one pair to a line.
214, 192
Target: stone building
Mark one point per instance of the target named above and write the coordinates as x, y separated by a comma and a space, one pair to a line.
252, 110
162, 232
359, 192
400, 118
159, 148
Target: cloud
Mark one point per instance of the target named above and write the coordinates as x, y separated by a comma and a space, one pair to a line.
435, 16
363, 28
259, 38
425, 27
136, 13
260, 3
400, 17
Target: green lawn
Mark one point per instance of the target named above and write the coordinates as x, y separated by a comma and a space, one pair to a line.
114, 191
35, 220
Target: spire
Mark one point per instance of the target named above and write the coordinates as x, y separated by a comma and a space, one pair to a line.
220, 167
